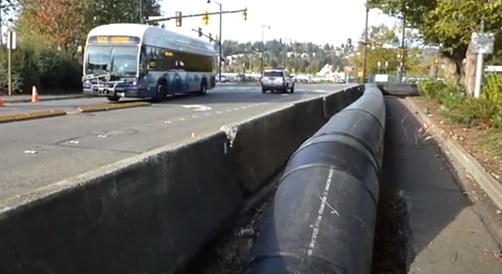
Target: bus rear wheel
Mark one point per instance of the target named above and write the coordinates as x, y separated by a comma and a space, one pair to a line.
203, 88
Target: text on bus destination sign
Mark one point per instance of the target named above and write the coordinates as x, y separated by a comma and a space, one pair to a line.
113, 40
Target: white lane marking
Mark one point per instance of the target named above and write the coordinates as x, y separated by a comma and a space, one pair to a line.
74, 142
197, 107
30, 152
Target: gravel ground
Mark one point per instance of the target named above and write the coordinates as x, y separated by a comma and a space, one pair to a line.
228, 252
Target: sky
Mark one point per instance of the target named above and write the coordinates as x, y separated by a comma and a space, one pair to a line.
317, 21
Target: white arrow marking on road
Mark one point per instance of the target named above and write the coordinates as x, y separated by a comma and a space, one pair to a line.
198, 107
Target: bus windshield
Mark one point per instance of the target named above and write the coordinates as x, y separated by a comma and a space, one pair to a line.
118, 61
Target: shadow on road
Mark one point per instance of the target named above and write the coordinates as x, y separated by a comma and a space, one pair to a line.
418, 192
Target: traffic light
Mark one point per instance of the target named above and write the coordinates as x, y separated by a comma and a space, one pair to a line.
200, 32
399, 53
210, 36
245, 14
205, 18
178, 18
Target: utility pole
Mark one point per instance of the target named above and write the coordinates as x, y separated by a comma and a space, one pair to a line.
403, 45
220, 39
365, 48
1, 37
141, 19
263, 45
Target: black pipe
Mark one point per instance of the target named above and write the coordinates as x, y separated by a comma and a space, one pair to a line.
323, 216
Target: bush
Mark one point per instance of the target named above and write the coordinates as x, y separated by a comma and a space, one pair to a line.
48, 70
485, 111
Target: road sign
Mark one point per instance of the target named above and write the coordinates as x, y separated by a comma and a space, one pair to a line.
482, 43
11, 40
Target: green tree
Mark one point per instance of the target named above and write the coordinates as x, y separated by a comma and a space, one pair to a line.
448, 24
387, 57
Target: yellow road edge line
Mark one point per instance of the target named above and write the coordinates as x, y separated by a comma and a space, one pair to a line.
108, 107
31, 115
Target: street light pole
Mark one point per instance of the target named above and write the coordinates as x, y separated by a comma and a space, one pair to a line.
263, 45
365, 48
220, 43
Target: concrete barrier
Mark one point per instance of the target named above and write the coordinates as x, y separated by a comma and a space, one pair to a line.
153, 212
147, 214
263, 144
31, 115
335, 102
323, 217
399, 90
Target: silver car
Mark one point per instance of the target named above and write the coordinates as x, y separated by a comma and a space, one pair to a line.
277, 79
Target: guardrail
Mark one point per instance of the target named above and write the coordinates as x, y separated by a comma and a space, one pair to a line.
323, 216
152, 213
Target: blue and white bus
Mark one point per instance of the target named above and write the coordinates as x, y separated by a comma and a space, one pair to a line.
141, 61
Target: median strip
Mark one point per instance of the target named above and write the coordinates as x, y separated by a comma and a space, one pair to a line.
31, 115
107, 107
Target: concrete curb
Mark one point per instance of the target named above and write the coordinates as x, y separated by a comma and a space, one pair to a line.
56, 98
107, 107
32, 115
491, 186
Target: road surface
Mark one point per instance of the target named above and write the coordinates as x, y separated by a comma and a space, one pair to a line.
40, 152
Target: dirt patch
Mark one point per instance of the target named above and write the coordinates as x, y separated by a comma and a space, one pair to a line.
483, 144
228, 252
389, 253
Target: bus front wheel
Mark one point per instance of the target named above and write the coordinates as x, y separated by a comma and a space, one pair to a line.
113, 98
161, 92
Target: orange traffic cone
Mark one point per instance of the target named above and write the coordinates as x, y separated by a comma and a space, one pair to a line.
34, 95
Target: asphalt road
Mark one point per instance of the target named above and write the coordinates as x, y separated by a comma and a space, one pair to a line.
36, 153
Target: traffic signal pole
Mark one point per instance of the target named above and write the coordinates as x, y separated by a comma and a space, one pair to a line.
192, 15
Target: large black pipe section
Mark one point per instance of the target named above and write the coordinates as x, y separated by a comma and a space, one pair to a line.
323, 217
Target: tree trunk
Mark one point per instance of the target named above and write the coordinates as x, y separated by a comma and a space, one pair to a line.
470, 71
453, 71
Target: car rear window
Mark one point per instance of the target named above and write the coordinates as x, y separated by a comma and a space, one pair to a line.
272, 74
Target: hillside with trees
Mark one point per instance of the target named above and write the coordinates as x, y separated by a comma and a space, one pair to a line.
301, 57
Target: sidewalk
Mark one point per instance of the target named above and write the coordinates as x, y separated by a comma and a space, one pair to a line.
27, 98
449, 224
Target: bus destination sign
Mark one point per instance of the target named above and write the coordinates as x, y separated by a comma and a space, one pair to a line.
113, 40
